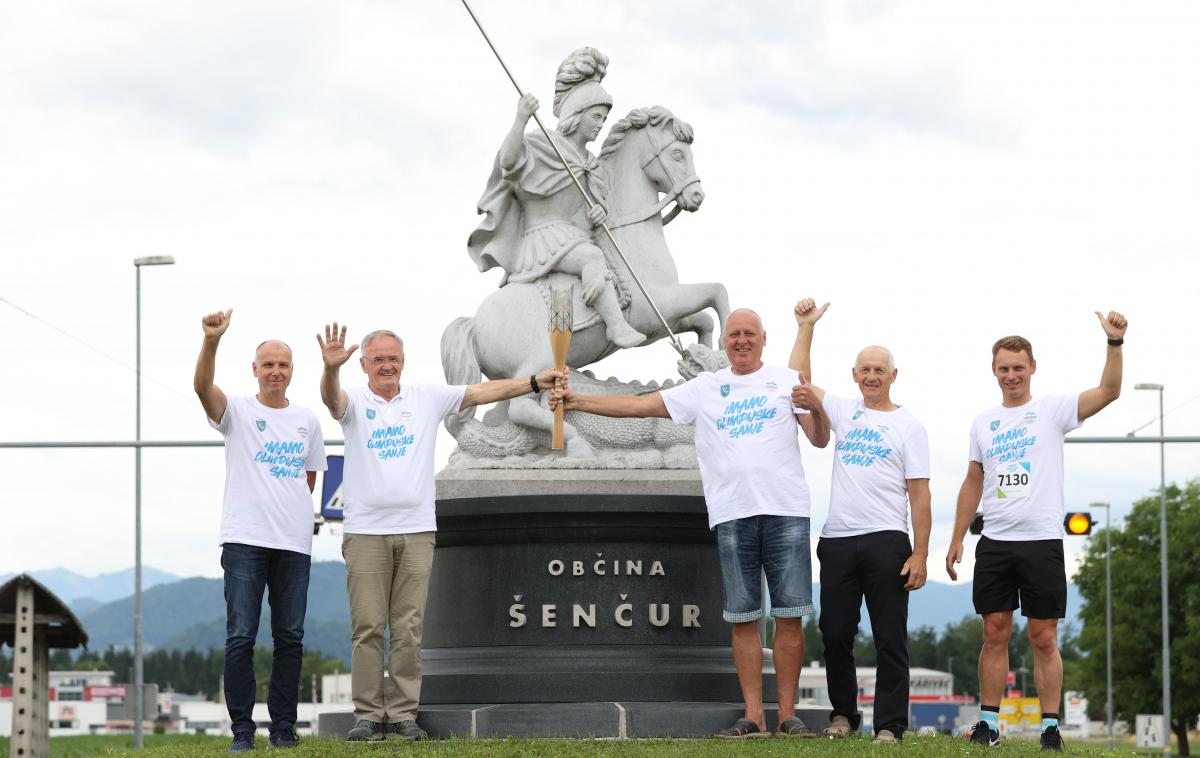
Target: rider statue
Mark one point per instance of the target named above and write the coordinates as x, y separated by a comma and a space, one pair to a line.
536, 222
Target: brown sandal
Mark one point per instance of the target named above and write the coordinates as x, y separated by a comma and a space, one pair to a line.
741, 729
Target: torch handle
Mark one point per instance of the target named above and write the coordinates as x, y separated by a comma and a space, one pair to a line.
560, 344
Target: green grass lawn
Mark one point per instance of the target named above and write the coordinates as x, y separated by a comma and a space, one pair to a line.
187, 746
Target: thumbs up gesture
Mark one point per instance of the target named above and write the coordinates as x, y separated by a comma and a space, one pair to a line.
805, 395
1114, 325
216, 323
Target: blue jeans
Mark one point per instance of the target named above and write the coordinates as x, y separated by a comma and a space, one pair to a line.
773, 545
284, 573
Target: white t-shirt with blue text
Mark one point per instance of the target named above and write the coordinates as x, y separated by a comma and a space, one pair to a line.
268, 452
388, 485
875, 454
1021, 451
746, 441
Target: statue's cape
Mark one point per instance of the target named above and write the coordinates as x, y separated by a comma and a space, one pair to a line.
496, 241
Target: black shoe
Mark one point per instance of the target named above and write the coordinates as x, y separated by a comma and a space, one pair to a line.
242, 742
1052, 740
982, 734
365, 731
283, 738
406, 730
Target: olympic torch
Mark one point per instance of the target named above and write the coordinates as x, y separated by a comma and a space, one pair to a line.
561, 318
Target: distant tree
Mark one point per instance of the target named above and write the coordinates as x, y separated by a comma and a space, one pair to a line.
1137, 611
814, 646
923, 648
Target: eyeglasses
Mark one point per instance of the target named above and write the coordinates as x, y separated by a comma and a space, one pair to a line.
379, 360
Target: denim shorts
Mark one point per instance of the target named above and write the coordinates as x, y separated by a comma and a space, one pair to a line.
773, 545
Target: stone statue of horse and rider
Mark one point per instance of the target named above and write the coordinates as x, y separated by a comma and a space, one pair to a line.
538, 227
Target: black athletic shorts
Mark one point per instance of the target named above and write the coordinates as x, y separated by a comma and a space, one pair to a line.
1032, 572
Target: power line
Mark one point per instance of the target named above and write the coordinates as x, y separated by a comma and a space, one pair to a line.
1165, 414
93, 348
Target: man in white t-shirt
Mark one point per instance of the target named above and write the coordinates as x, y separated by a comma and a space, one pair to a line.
1016, 470
758, 502
390, 519
273, 449
880, 471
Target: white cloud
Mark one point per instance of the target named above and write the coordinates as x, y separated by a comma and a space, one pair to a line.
943, 172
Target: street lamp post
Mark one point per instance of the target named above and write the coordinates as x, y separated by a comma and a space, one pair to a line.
1162, 528
1108, 613
138, 715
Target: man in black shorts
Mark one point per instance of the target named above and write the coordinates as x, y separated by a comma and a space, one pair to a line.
1016, 468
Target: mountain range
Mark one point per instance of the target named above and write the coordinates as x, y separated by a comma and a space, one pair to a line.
182, 613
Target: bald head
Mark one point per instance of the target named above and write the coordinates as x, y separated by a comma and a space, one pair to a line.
273, 347
875, 354
745, 313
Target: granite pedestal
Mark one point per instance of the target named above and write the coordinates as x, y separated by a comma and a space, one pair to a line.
577, 603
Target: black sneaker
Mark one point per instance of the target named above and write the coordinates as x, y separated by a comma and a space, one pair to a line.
406, 730
283, 738
242, 742
365, 731
1052, 740
982, 734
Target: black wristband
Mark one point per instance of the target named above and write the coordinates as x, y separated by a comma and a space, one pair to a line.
1117, 342
533, 383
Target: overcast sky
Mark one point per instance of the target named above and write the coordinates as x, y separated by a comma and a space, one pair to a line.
944, 172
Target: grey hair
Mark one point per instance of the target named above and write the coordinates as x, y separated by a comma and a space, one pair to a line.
890, 358
372, 336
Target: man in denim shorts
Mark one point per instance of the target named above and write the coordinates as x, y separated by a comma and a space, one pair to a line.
758, 503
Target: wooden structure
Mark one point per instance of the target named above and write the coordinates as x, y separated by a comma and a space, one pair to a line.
33, 620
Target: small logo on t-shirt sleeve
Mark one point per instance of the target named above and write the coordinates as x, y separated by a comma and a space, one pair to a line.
995, 425
262, 425
724, 390
370, 413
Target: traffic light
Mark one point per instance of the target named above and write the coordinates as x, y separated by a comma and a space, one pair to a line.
1078, 524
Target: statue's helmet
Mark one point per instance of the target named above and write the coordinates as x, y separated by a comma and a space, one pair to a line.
577, 84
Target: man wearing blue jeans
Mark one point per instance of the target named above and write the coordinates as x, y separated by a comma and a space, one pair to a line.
273, 449
758, 502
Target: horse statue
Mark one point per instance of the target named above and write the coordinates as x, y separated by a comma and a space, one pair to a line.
646, 153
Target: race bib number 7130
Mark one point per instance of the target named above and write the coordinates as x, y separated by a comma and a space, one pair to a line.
1014, 480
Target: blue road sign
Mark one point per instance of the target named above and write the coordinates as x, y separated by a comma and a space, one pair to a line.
331, 489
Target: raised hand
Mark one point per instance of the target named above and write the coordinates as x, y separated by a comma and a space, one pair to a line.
1114, 326
804, 396
526, 107
333, 347
807, 311
215, 324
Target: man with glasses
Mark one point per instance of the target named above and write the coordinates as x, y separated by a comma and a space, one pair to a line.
388, 491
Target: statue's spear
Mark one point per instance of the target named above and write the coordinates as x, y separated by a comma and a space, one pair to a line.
578, 185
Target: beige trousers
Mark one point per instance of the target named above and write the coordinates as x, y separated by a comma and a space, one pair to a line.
387, 576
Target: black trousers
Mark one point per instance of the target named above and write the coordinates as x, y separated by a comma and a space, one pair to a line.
852, 568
